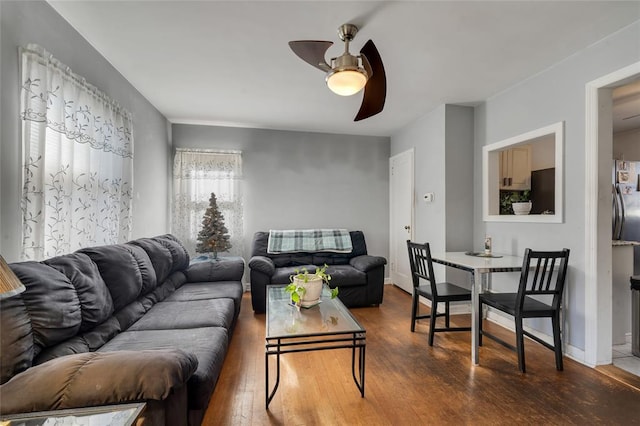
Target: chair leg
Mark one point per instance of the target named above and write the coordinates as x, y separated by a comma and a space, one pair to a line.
479, 316
432, 323
520, 344
446, 314
557, 341
414, 311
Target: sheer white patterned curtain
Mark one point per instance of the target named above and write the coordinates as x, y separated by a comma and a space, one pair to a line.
78, 160
196, 174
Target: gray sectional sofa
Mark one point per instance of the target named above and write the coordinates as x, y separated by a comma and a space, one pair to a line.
359, 276
116, 324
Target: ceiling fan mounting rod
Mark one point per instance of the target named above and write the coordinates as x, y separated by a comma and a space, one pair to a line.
346, 61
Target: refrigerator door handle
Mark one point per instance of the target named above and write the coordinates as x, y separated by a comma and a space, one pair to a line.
616, 214
622, 213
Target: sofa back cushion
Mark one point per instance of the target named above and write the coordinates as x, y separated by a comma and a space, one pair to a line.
261, 240
179, 253
16, 346
121, 272
51, 302
159, 255
95, 300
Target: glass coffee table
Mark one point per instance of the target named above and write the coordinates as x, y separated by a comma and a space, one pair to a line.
106, 415
328, 325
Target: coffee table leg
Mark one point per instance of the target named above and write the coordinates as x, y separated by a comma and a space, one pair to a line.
359, 380
269, 396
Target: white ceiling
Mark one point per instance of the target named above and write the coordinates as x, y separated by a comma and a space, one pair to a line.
228, 63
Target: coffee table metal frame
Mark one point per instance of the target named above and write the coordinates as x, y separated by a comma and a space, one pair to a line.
328, 325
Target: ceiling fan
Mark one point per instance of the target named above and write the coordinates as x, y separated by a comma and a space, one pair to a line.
347, 74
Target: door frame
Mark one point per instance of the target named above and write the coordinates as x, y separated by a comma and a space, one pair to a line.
392, 232
597, 258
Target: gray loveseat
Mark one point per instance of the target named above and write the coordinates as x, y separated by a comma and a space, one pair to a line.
359, 276
116, 324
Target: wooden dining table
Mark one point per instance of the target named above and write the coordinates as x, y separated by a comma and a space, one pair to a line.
480, 269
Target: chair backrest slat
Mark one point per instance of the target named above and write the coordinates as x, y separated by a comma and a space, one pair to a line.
421, 265
551, 269
548, 276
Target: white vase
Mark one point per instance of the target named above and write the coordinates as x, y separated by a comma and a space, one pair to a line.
521, 208
313, 289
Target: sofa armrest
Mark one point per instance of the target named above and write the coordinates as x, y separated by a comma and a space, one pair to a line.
263, 264
365, 263
97, 378
224, 269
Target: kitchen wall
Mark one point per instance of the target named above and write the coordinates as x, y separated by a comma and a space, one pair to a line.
37, 22
626, 145
300, 180
555, 94
543, 153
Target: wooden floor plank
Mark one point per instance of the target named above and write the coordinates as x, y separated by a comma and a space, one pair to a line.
410, 383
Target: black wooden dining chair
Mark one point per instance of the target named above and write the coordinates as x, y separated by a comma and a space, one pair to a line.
422, 268
543, 275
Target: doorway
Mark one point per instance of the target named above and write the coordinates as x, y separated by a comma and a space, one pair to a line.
598, 216
401, 217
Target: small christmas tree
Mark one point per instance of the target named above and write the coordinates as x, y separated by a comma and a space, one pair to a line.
214, 236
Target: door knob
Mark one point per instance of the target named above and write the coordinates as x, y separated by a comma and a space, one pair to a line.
407, 227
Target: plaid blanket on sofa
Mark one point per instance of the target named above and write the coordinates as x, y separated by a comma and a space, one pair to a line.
309, 240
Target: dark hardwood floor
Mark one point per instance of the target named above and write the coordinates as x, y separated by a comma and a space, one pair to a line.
410, 383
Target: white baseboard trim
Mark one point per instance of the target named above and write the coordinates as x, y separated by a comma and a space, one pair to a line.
387, 280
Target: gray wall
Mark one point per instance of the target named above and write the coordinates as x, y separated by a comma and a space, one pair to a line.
427, 137
459, 122
37, 22
557, 94
443, 156
295, 180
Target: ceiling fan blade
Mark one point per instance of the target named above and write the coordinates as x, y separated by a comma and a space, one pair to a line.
375, 91
312, 52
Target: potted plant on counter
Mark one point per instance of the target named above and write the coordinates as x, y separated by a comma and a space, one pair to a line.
520, 202
305, 288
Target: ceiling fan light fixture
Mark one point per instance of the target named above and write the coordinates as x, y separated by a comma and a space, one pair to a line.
346, 82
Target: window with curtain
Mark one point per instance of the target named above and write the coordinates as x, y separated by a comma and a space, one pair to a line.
196, 174
78, 160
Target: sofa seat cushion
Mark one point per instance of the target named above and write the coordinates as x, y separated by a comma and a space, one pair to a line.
282, 274
346, 276
193, 314
209, 290
208, 344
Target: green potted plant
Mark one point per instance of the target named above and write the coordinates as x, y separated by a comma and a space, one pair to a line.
306, 287
517, 201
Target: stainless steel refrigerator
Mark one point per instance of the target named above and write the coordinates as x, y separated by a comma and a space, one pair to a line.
626, 205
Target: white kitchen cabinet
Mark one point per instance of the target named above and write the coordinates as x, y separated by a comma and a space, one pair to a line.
515, 168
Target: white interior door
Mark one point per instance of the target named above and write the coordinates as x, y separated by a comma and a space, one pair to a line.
401, 215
